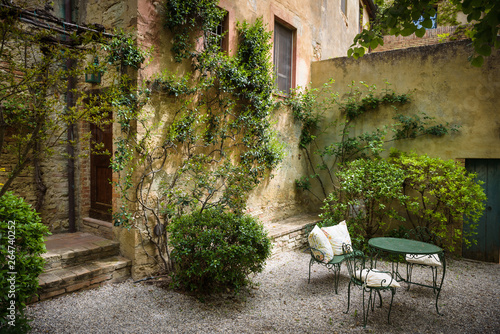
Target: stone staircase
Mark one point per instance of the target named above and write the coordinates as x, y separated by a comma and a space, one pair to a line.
80, 260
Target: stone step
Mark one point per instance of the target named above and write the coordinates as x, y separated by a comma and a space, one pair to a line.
71, 249
291, 233
93, 273
97, 227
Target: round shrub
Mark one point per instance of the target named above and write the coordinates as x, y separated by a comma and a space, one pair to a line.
21, 243
216, 250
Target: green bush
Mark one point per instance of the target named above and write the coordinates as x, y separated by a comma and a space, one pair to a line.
216, 250
366, 195
442, 197
22, 242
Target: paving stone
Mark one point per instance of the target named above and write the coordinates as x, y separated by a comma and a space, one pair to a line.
78, 286
101, 278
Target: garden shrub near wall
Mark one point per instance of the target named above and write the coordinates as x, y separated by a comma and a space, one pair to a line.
442, 196
215, 250
406, 192
21, 244
366, 196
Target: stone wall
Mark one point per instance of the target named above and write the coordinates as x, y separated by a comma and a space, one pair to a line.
54, 211
431, 37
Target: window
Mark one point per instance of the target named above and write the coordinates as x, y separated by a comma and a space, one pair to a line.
283, 57
219, 34
343, 6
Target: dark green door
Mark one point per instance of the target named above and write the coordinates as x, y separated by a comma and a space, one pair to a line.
488, 238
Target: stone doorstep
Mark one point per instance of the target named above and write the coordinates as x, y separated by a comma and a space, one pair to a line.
98, 227
70, 256
93, 274
64, 276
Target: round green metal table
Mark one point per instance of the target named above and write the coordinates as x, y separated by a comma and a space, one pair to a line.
407, 246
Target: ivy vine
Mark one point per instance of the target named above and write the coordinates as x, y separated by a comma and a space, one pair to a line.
217, 142
309, 108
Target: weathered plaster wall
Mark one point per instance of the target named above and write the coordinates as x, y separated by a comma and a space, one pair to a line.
337, 30
443, 85
322, 31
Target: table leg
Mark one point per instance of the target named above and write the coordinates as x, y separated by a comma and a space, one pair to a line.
443, 261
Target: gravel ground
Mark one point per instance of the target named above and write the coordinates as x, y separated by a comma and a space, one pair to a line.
281, 301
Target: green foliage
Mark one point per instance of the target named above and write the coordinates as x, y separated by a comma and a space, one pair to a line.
122, 50
397, 18
215, 142
216, 250
21, 244
309, 108
447, 13
366, 195
413, 126
38, 103
441, 197
185, 17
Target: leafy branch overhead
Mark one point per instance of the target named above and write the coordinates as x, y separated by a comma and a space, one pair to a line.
398, 18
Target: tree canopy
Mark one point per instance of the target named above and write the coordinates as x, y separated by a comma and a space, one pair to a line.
398, 17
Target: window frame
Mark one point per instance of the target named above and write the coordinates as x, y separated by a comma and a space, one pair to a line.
343, 7
276, 55
224, 33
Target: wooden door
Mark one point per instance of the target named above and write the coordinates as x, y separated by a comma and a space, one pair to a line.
488, 238
100, 172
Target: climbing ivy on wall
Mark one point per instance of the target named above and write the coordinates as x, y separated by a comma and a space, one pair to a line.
203, 139
310, 108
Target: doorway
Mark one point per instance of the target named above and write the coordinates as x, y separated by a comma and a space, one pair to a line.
488, 237
101, 191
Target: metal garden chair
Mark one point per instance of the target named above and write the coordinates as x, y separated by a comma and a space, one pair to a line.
370, 281
431, 261
333, 265
318, 257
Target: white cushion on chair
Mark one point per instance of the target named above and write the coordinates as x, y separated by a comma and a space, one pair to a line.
428, 260
317, 239
337, 235
376, 279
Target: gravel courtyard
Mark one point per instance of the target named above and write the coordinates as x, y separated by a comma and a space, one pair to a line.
281, 301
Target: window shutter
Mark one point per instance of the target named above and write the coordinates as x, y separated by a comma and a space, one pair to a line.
283, 65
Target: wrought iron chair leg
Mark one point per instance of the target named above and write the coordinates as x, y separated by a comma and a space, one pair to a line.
409, 272
373, 300
348, 297
434, 279
310, 265
366, 309
379, 297
393, 292
336, 277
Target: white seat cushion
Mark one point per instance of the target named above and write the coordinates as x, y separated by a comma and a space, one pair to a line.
337, 235
376, 279
318, 240
428, 260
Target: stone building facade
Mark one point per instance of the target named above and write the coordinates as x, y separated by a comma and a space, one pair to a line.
319, 29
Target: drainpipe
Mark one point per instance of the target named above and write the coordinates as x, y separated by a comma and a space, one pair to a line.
70, 102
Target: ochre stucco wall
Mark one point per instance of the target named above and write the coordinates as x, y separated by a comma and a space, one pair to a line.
443, 85
322, 31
